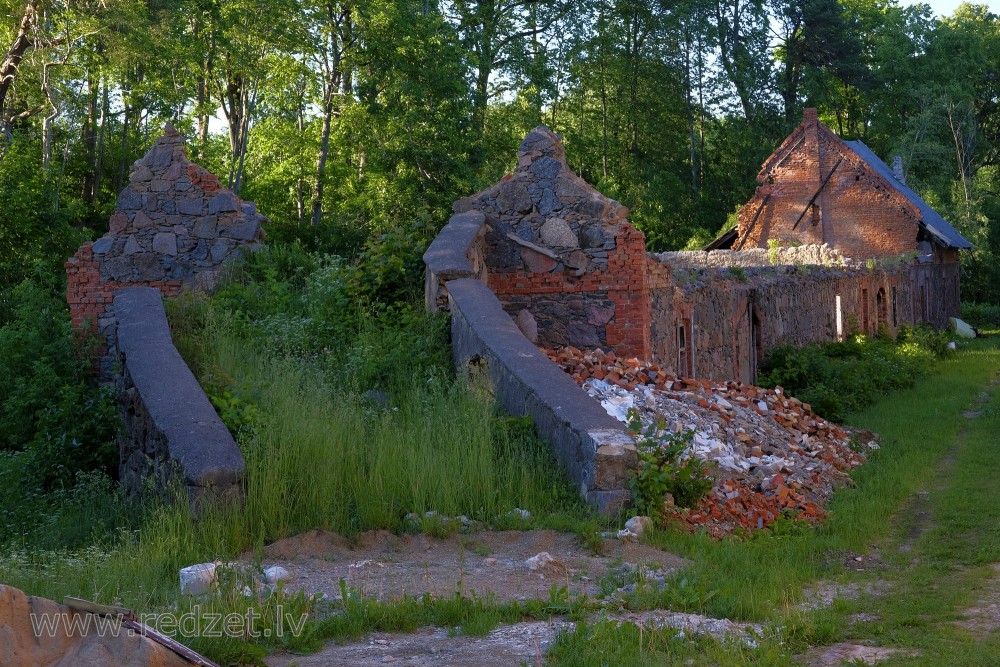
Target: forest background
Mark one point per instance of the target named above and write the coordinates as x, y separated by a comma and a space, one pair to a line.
356, 124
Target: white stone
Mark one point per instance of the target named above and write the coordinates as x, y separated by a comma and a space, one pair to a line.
557, 232
198, 579
539, 561
637, 525
961, 328
276, 574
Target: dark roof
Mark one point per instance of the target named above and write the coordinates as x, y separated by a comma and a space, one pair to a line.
724, 242
931, 219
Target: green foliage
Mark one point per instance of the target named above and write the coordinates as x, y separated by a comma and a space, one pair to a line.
48, 407
663, 469
35, 235
239, 412
838, 378
981, 315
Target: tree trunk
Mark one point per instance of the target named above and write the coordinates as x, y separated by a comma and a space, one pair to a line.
690, 113
300, 185
324, 150
99, 165
90, 141
15, 54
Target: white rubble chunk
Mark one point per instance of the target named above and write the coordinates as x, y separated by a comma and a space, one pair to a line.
198, 579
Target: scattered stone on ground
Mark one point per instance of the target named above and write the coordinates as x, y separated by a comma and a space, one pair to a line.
385, 566
694, 624
823, 593
838, 654
772, 453
20, 646
984, 617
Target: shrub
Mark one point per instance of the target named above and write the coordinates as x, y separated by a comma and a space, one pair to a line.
837, 378
663, 469
982, 315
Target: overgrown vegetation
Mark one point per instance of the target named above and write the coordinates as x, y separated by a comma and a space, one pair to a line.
838, 378
984, 317
57, 450
663, 470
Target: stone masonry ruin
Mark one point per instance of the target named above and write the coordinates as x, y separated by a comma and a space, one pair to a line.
174, 226
562, 262
173, 229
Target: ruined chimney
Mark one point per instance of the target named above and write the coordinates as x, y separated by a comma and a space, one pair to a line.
897, 169
809, 115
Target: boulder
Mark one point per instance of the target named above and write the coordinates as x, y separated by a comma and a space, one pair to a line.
22, 646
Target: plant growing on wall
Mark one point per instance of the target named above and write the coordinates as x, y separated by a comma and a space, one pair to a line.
663, 470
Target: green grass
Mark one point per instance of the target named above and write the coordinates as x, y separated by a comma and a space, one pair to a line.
318, 456
927, 445
753, 578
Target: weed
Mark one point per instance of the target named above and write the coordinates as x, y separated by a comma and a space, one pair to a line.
663, 470
739, 273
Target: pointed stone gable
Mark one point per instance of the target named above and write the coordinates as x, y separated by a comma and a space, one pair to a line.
563, 258
545, 218
174, 226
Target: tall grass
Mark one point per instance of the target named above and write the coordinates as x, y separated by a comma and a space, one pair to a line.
317, 457
752, 579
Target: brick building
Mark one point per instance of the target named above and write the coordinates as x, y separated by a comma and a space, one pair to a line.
817, 188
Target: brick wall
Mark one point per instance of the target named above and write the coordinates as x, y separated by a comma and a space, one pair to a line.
609, 307
90, 298
857, 212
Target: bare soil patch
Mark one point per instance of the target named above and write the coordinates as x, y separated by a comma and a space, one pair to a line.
838, 654
984, 616
385, 566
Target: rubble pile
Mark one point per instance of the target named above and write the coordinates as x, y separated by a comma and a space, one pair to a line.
771, 453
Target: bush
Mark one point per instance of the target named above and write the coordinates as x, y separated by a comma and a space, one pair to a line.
837, 378
982, 315
49, 408
663, 469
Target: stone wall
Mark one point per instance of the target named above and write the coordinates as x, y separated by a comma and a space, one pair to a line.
593, 447
170, 431
816, 255
562, 258
730, 323
173, 226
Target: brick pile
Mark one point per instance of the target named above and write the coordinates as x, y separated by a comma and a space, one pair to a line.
772, 455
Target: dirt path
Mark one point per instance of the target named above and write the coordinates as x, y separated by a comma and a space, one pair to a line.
385, 566
522, 643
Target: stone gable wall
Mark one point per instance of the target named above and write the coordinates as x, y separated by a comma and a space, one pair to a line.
562, 258
174, 226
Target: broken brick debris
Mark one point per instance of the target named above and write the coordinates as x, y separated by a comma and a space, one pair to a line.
772, 454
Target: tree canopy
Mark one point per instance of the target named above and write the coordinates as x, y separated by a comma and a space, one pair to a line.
352, 119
